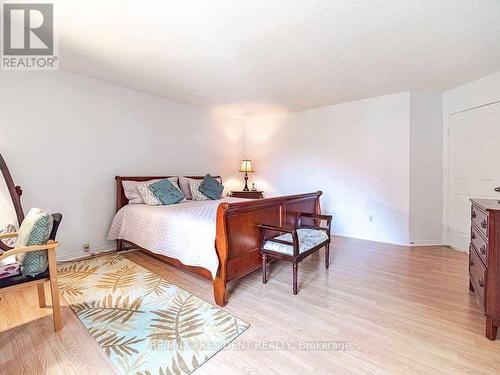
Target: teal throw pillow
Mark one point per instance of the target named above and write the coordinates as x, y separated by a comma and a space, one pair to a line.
35, 230
166, 192
211, 188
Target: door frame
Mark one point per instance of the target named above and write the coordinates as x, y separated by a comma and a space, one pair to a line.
446, 169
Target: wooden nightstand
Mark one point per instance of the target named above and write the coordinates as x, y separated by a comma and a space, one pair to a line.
247, 194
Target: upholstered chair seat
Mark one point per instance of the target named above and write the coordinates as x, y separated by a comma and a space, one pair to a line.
308, 238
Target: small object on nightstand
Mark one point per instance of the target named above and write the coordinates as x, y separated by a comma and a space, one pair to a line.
253, 187
248, 194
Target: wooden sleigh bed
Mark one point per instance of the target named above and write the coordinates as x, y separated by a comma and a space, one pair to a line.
237, 237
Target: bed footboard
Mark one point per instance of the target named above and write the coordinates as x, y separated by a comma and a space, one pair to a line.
238, 238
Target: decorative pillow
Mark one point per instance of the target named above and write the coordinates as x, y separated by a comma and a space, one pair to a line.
211, 188
196, 194
184, 183
132, 193
147, 195
35, 230
166, 192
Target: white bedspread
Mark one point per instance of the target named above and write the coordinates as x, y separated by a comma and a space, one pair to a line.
184, 231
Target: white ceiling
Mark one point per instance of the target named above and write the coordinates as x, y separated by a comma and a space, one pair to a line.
243, 57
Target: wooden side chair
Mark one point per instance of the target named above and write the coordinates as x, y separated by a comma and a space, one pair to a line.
296, 243
50, 275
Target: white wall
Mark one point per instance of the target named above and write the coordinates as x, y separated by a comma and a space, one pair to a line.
426, 168
358, 153
379, 158
65, 137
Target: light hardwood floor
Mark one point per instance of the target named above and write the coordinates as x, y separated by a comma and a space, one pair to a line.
401, 310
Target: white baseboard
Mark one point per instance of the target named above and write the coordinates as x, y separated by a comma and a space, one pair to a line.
427, 243
109, 248
398, 243
459, 250
82, 254
373, 239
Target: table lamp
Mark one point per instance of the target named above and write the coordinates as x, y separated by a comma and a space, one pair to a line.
246, 167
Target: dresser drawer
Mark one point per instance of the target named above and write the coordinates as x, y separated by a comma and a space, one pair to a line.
477, 273
479, 243
480, 219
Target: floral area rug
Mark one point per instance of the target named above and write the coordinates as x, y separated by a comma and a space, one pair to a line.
145, 324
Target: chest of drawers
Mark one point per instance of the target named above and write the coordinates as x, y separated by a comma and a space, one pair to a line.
484, 260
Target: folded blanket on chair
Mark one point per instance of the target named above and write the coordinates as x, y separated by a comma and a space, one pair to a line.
9, 266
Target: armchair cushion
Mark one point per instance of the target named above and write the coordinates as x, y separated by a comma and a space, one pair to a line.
35, 230
308, 238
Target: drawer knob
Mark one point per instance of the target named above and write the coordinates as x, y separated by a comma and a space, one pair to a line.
483, 250
483, 224
481, 283
473, 214
471, 262
473, 235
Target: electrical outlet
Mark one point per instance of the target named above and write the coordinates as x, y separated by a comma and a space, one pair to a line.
371, 219
86, 247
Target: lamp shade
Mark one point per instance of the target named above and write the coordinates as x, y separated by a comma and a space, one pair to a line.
246, 166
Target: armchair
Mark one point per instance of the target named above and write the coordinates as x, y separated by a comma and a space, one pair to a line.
296, 243
50, 275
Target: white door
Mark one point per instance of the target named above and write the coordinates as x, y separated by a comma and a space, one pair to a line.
474, 166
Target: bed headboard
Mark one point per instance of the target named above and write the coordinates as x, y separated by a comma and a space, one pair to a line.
121, 199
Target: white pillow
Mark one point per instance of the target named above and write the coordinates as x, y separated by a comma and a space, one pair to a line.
132, 193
